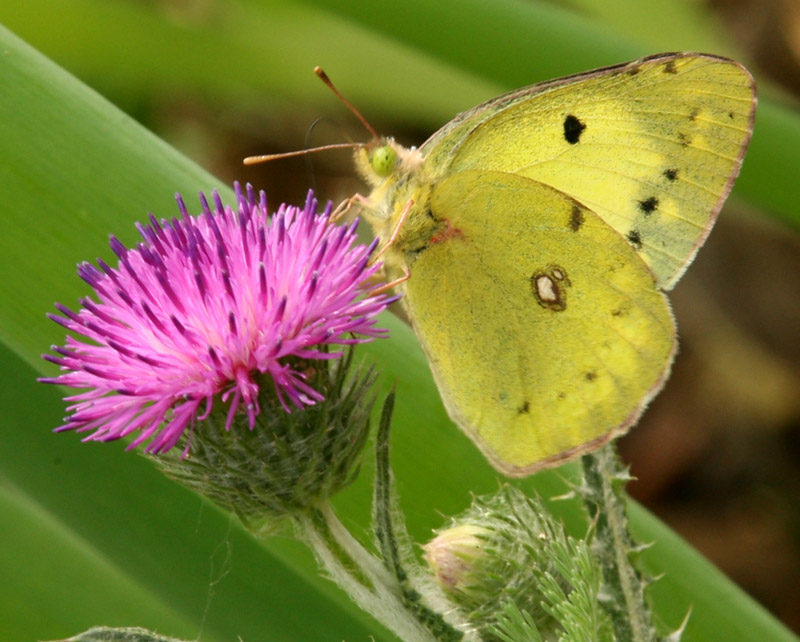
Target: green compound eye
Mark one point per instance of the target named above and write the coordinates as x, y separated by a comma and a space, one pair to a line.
383, 160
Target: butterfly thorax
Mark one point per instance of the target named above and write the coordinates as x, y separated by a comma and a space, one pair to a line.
400, 179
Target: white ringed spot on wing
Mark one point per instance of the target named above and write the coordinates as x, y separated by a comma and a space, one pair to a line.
549, 286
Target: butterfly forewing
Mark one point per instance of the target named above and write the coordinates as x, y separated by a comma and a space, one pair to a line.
652, 147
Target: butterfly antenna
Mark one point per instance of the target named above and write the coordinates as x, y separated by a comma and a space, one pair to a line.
324, 78
253, 160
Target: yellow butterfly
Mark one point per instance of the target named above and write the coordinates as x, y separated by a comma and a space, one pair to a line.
537, 232
533, 236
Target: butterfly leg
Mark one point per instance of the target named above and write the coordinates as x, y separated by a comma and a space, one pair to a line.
346, 205
385, 287
395, 232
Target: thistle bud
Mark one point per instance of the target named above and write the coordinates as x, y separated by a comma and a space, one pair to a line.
507, 548
453, 556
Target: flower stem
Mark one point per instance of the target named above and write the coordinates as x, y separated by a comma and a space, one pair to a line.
420, 596
604, 495
358, 572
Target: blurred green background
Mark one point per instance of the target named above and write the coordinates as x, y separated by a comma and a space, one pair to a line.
93, 535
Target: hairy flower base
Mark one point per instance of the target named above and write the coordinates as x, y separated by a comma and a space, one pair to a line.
507, 548
291, 461
212, 308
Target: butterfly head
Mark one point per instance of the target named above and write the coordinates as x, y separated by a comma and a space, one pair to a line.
383, 158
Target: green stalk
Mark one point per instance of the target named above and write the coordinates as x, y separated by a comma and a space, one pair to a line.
358, 573
604, 496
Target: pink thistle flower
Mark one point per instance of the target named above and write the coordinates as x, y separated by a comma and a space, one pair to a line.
206, 306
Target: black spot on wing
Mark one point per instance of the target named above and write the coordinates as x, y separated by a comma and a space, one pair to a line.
524, 409
671, 174
590, 376
573, 128
648, 205
576, 218
635, 239
670, 68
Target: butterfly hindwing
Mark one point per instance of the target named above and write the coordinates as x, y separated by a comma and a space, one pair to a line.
544, 329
